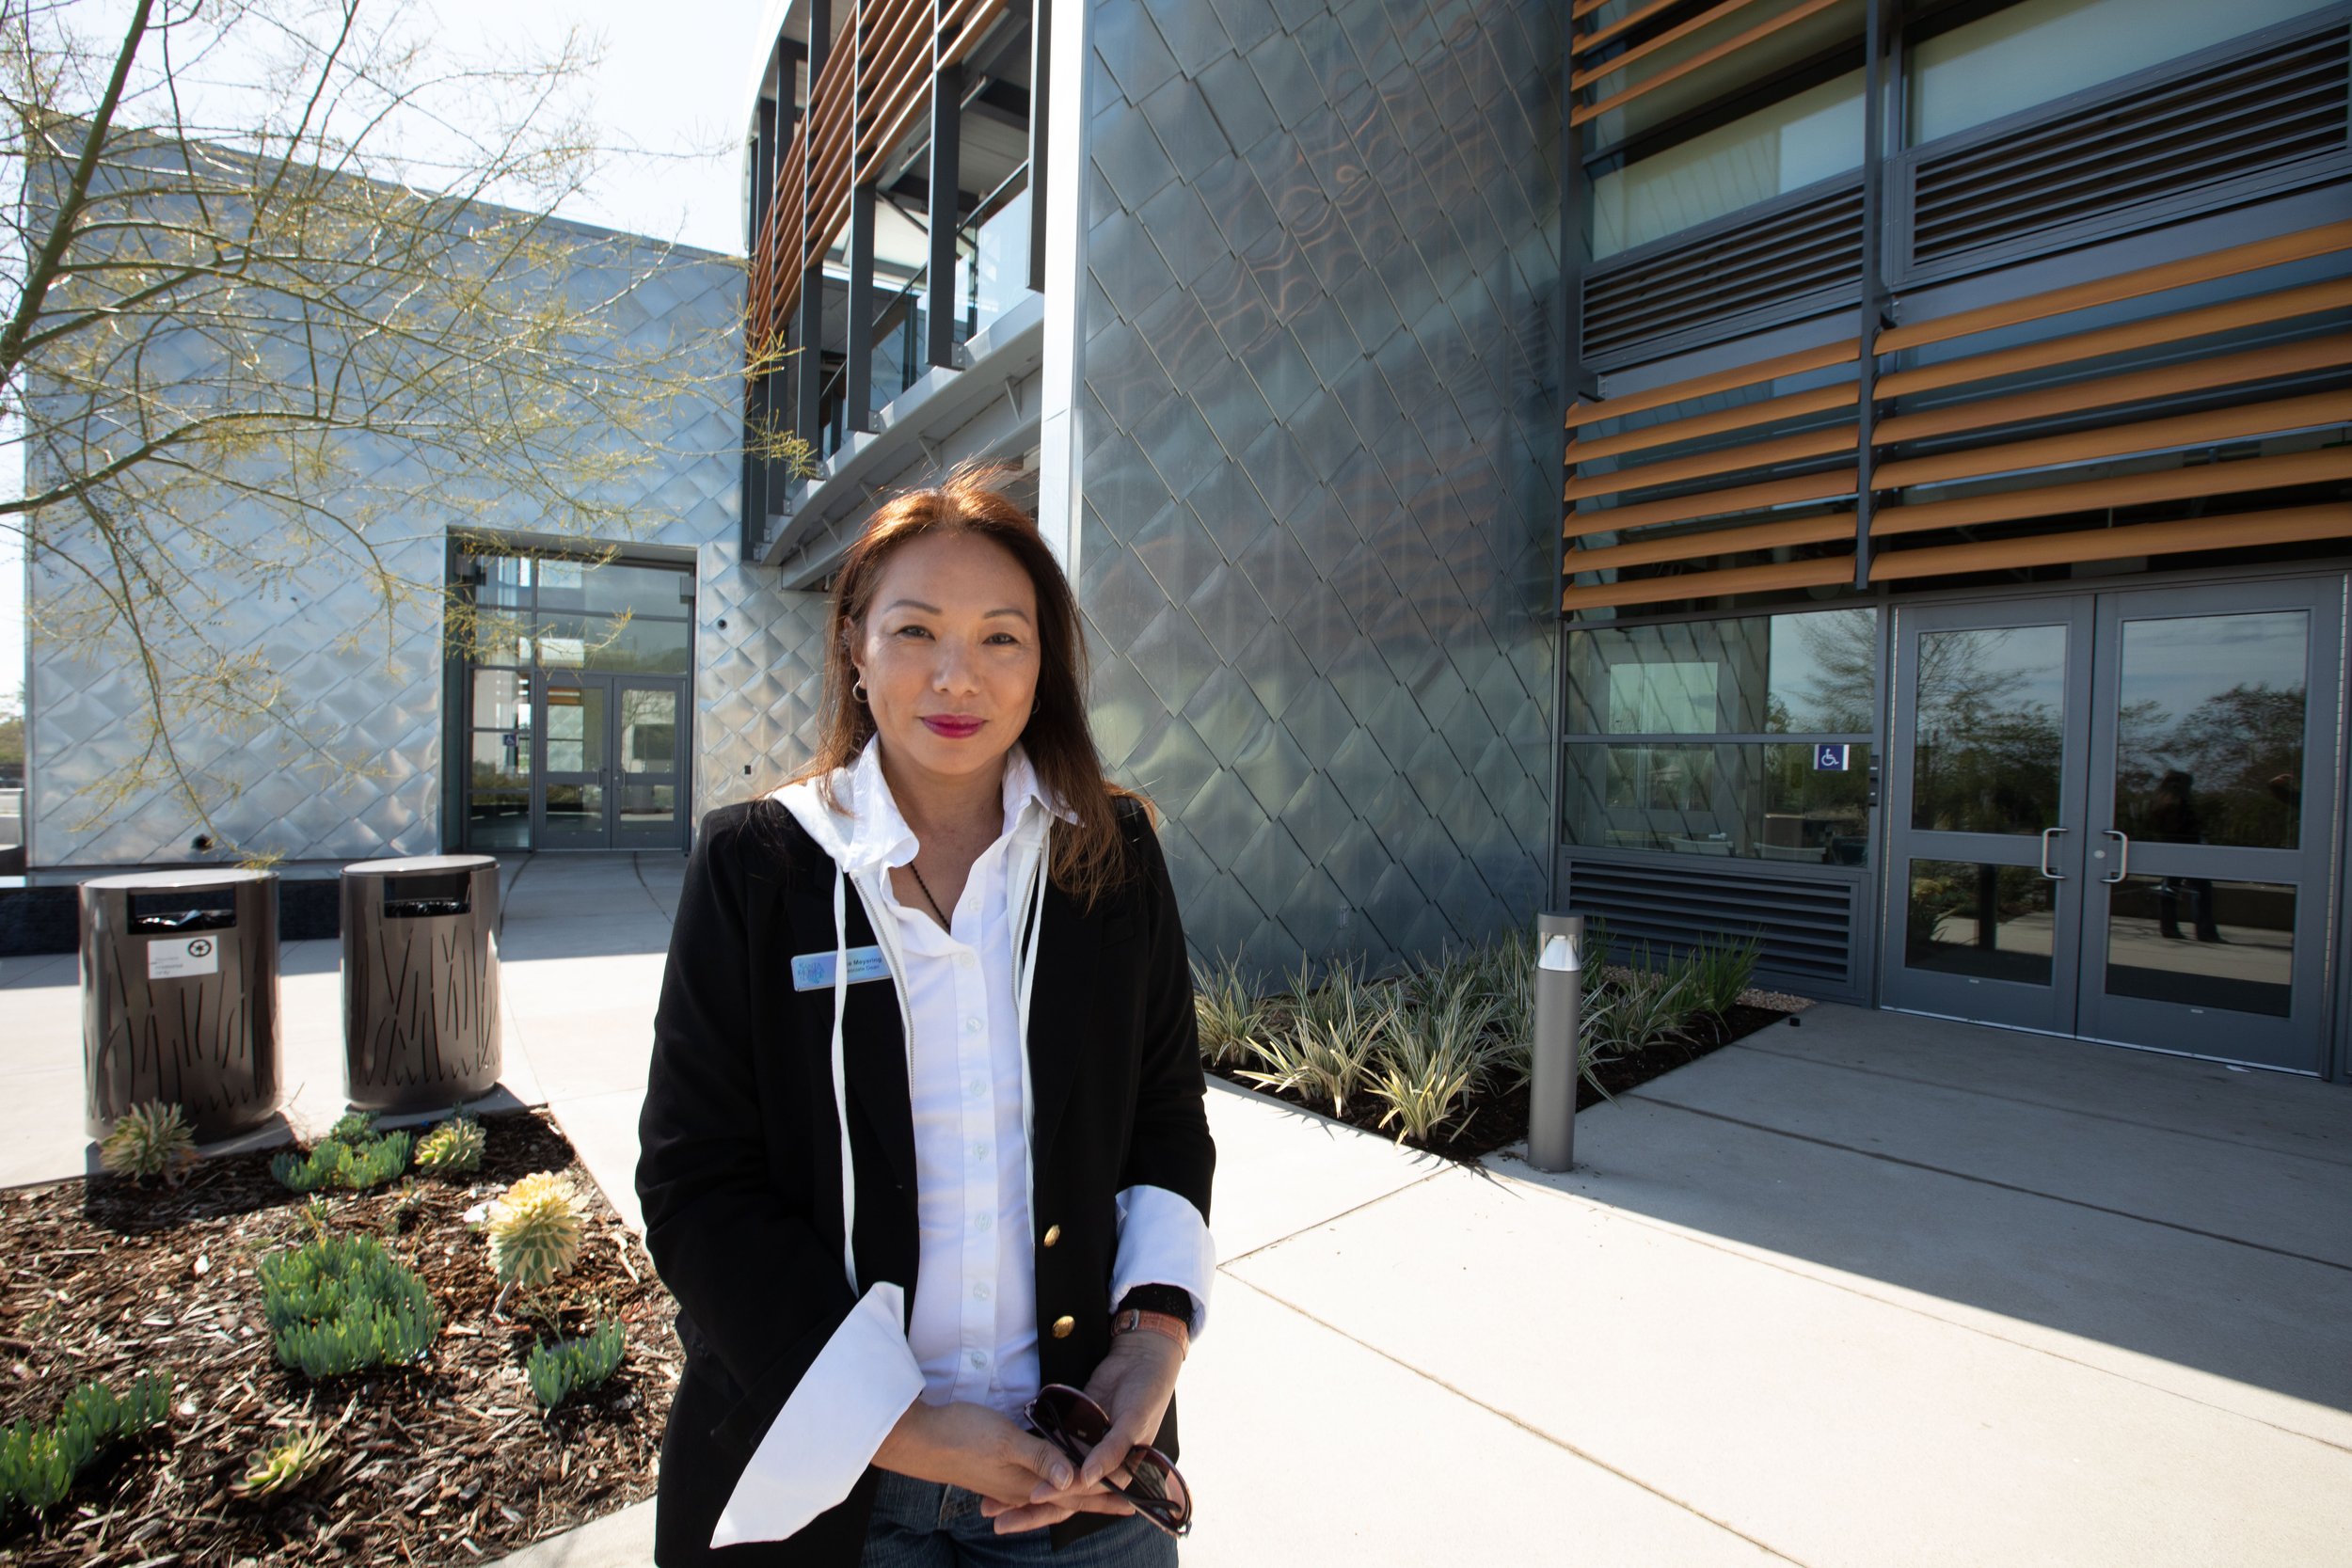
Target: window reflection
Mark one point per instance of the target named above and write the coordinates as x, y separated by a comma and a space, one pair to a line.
1987, 922
2204, 943
1811, 674
1992, 711
2209, 736
1757, 801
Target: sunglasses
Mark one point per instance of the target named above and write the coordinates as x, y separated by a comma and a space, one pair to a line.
1076, 1425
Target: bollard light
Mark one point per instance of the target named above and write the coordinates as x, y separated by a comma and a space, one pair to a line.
1559, 1007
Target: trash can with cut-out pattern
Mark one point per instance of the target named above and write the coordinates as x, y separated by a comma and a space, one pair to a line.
180, 997
420, 981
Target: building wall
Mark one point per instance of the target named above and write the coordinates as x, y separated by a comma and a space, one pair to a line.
358, 771
1319, 456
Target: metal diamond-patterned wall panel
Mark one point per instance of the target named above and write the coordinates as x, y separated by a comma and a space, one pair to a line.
1320, 429
366, 778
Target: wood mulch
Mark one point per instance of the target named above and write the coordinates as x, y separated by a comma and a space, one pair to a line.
1491, 1121
450, 1461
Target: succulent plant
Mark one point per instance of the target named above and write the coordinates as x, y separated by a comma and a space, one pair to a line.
151, 1138
572, 1365
341, 1304
353, 1162
38, 1461
534, 1231
285, 1465
454, 1146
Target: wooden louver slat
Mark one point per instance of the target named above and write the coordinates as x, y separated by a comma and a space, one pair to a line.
1703, 58
1691, 428
1821, 357
2053, 500
1834, 485
1733, 580
1649, 46
1756, 454
1818, 529
2237, 423
1586, 43
2239, 531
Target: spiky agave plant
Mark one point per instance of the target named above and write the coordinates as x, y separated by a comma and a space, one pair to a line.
151, 1138
534, 1231
285, 1465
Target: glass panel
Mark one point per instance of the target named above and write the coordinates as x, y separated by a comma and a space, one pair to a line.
636, 591
502, 700
499, 820
1779, 148
502, 760
1806, 804
1759, 674
594, 643
1990, 922
648, 730
996, 277
576, 810
1841, 25
2030, 53
484, 634
2209, 742
2202, 944
648, 805
506, 580
1990, 730
574, 729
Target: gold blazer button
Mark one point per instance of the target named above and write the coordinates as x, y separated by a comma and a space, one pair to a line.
1062, 1327
1053, 1234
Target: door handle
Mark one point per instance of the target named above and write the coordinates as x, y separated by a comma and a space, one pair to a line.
2045, 854
2122, 855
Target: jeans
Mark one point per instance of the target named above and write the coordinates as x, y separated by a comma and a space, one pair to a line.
922, 1524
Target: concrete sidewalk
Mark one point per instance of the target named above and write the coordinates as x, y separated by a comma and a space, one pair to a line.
1871, 1290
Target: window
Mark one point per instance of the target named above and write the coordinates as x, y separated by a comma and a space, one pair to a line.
1747, 737
2041, 50
1784, 147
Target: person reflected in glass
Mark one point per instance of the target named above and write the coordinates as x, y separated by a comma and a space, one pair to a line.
924, 1138
2173, 819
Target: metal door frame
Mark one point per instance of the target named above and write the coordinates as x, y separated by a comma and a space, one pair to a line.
546, 681
2299, 1042
2060, 852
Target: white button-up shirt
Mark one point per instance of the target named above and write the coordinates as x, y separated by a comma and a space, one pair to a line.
972, 1337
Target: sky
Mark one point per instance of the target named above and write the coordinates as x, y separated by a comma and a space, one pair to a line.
672, 83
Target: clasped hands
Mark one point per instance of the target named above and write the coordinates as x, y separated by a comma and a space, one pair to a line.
1023, 1480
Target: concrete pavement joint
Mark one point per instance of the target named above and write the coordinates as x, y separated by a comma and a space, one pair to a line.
1331, 1219
1531, 1430
2004, 1186
2018, 1100
1764, 1258
637, 869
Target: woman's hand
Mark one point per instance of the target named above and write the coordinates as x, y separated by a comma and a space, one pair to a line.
972, 1446
1133, 1386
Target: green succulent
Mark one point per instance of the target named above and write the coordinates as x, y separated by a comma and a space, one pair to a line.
454, 1146
341, 1304
535, 1231
151, 1138
286, 1465
574, 1365
38, 1461
337, 1161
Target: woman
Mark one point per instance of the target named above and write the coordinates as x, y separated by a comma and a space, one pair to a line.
925, 1109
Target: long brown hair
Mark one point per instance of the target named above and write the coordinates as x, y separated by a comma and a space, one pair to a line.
1088, 857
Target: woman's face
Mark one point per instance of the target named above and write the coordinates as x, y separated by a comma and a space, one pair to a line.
949, 656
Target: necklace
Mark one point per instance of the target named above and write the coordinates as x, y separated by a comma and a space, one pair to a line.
943, 921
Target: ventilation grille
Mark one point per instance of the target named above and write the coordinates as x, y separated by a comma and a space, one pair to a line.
2264, 110
1805, 929
1778, 267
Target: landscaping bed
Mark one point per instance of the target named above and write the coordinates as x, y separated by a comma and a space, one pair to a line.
448, 1460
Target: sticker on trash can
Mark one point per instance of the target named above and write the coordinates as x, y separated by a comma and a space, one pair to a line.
174, 958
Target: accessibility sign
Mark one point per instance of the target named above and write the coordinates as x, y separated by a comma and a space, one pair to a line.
178, 958
1829, 759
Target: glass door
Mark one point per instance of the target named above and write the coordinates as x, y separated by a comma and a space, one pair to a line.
2214, 800
649, 793
571, 809
1985, 785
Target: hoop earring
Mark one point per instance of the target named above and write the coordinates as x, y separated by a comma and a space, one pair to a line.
857, 689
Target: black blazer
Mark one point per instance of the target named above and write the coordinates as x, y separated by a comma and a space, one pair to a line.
739, 1164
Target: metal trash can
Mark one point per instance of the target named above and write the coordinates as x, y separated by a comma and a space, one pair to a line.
180, 997
420, 981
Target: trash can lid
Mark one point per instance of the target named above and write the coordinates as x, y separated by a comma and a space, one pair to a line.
179, 881
418, 865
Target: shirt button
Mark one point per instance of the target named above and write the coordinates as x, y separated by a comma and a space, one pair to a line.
979, 1358
976, 1088
981, 1222
965, 960
973, 1025
979, 1292
980, 1154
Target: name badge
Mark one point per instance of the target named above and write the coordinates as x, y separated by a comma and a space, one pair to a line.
814, 971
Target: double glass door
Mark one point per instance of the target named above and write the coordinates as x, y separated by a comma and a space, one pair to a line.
608, 774
2115, 815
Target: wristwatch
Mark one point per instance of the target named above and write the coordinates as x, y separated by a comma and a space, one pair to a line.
1164, 1309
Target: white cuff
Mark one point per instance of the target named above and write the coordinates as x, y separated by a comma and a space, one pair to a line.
1164, 1241
822, 1439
